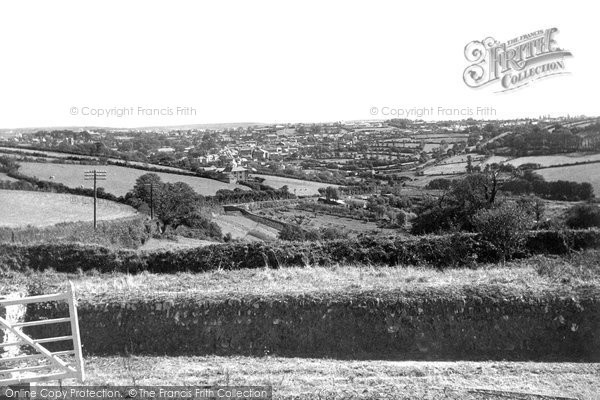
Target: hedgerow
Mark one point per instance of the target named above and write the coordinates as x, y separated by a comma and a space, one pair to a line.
130, 232
447, 251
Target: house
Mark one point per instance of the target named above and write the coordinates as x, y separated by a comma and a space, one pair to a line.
260, 154
236, 173
245, 152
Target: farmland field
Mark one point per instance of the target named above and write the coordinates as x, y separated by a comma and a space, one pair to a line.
555, 160
463, 158
4, 177
55, 154
241, 227
119, 179
311, 220
578, 173
21, 208
453, 165
493, 160
296, 186
446, 169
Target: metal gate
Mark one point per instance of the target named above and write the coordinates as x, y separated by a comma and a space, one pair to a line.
50, 365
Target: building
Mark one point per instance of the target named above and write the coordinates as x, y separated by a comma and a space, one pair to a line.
260, 154
235, 173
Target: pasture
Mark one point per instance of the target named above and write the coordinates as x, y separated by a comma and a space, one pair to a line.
5, 177
577, 173
55, 155
241, 227
555, 160
297, 186
22, 208
446, 169
318, 220
119, 180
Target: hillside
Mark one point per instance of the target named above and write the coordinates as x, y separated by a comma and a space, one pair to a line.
22, 208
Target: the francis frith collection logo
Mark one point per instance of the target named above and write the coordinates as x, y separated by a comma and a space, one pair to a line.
514, 63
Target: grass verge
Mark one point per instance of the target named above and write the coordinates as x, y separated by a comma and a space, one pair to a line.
295, 378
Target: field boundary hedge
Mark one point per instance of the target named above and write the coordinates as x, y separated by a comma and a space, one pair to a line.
129, 232
458, 250
489, 322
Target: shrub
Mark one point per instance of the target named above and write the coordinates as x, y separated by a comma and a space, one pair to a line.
504, 226
439, 184
446, 251
583, 216
292, 233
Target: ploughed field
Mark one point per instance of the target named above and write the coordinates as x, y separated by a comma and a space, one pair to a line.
119, 180
22, 208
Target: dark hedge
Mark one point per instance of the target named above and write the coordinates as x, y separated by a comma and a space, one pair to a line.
129, 232
449, 251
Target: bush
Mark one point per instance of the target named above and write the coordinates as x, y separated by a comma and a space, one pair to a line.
129, 232
583, 216
292, 233
504, 226
439, 184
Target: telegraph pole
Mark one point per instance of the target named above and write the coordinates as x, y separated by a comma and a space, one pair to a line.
94, 175
151, 199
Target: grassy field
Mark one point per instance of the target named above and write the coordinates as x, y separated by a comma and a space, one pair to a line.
310, 220
241, 227
296, 186
555, 160
53, 155
578, 173
177, 244
301, 378
446, 169
462, 158
458, 164
4, 177
119, 179
493, 160
21, 208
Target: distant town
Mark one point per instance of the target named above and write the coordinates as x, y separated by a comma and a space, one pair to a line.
341, 153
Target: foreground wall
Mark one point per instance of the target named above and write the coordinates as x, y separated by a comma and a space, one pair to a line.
485, 323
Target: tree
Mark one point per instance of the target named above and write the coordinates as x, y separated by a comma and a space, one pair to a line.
504, 226
292, 233
583, 216
142, 191
533, 206
455, 209
331, 193
175, 203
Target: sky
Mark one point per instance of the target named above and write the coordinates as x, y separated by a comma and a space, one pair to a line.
66, 62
